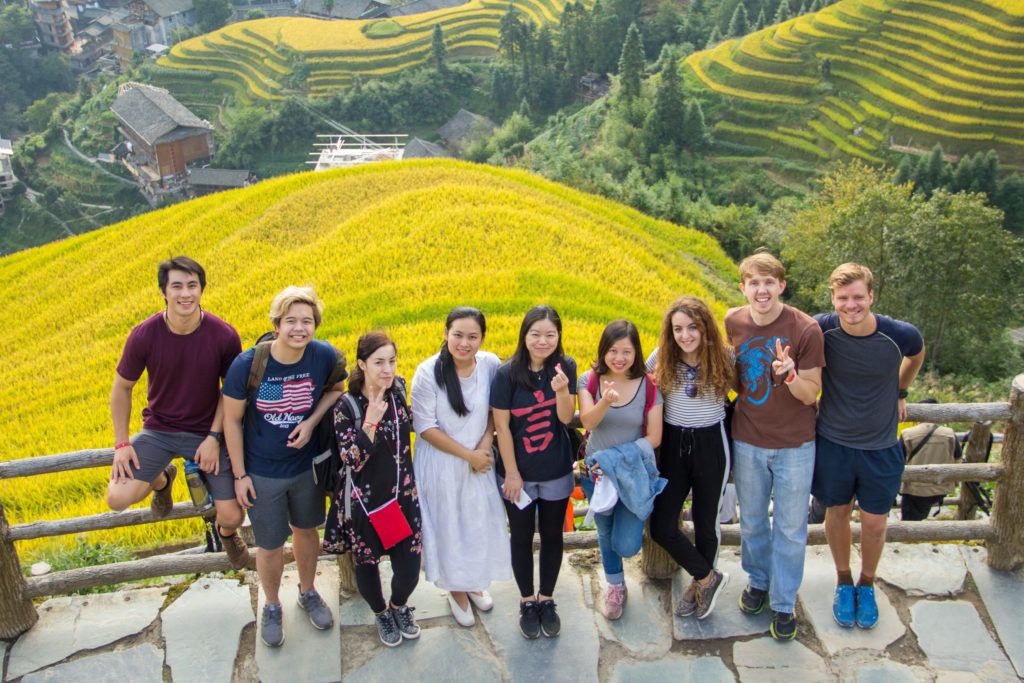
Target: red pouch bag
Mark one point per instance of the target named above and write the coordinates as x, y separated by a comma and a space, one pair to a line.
390, 524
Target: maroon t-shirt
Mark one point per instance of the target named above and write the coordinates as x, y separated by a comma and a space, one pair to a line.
184, 371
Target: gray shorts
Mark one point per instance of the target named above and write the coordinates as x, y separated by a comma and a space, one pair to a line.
555, 489
282, 502
156, 449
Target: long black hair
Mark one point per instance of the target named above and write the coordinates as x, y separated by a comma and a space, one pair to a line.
519, 364
445, 373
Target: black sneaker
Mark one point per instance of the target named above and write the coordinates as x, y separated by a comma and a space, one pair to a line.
783, 625
406, 622
529, 619
753, 600
550, 624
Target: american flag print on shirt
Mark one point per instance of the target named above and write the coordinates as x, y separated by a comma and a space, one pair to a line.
292, 396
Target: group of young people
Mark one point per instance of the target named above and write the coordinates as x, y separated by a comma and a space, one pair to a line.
817, 402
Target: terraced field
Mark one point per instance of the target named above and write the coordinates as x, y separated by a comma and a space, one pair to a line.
914, 72
256, 60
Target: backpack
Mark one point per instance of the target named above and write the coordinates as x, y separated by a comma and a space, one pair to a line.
357, 418
327, 462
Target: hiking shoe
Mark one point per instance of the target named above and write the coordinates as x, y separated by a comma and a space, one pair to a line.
317, 610
688, 603
161, 503
867, 608
783, 625
844, 605
550, 624
235, 548
753, 600
707, 595
387, 629
406, 622
529, 619
271, 631
614, 599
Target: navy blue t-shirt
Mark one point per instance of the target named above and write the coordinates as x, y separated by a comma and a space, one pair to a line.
860, 381
287, 395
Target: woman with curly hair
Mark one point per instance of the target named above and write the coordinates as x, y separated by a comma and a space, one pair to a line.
693, 368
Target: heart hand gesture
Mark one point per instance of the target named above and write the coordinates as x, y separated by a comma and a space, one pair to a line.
783, 364
560, 382
608, 393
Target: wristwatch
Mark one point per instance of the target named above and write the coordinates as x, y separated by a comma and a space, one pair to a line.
902, 393
217, 435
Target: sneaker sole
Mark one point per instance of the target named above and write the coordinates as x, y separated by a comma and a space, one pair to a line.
528, 636
866, 628
270, 645
752, 612
406, 636
387, 644
550, 635
849, 625
783, 638
714, 598
319, 628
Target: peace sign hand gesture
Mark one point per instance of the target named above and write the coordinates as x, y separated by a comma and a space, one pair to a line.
783, 364
608, 393
377, 407
560, 382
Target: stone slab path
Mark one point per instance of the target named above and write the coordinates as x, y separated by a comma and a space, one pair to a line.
946, 618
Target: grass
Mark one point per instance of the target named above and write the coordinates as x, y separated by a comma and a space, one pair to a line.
383, 28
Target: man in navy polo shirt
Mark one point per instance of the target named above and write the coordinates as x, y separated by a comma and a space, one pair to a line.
870, 361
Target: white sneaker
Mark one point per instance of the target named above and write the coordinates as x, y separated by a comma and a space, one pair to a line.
463, 617
483, 602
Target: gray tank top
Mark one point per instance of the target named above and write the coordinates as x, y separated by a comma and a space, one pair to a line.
621, 424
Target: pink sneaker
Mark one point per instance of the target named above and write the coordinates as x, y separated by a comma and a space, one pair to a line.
614, 599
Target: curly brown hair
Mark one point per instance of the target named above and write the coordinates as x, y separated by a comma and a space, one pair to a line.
715, 361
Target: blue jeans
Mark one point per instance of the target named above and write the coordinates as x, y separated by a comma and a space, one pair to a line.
773, 548
620, 534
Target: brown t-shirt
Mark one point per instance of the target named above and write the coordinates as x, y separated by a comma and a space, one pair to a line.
767, 414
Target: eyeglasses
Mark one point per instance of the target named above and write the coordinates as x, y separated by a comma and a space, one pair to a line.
691, 375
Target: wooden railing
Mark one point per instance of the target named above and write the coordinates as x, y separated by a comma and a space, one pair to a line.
1004, 534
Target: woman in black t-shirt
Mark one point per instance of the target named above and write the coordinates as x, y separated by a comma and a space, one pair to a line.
533, 397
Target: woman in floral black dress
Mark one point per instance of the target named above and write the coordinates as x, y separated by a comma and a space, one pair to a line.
373, 424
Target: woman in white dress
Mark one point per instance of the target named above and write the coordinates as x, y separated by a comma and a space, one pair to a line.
465, 536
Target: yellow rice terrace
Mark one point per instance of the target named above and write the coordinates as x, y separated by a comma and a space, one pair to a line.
391, 246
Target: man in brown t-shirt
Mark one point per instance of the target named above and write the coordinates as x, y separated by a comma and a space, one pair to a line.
779, 356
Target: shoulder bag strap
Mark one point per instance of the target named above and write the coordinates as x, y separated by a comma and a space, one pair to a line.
921, 443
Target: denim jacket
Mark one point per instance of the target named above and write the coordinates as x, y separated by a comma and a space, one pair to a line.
631, 468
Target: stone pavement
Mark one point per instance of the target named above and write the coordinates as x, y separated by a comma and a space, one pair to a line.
946, 618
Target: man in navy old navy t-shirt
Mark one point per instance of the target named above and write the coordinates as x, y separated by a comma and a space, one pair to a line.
870, 361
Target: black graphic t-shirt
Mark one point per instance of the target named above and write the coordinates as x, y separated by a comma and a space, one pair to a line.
540, 439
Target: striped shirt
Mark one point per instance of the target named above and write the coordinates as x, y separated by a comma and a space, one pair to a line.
703, 410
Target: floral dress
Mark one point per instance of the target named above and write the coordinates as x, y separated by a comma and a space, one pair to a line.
372, 468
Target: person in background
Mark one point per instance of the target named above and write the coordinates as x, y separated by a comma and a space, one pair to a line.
926, 444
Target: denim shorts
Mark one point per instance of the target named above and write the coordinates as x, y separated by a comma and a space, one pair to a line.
842, 473
284, 503
156, 449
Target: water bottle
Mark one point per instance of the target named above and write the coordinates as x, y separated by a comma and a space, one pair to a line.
196, 486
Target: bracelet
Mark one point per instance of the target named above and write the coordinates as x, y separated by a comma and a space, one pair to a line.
122, 445
219, 436
367, 423
240, 477
792, 376
902, 393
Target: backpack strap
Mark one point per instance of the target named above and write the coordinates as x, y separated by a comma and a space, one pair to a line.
650, 396
260, 358
357, 418
921, 443
592, 380
338, 372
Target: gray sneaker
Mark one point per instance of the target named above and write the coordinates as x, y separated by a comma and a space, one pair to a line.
387, 629
319, 614
688, 603
271, 631
708, 594
406, 622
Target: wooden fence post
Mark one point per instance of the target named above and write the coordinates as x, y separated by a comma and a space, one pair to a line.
977, 449
1006, 551
654, 559
347, 573
17, 613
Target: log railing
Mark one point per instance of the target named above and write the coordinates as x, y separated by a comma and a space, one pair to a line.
1003, 534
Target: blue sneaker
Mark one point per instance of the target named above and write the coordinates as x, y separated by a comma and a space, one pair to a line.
844, 605
867, 608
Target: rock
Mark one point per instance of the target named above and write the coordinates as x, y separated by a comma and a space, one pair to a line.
428, 599
675, 668
727, 621
3, 658
571, 656
924, 568
954, 638
816, 595
82, 622
443, 653
140, 664
307, 653
644, 628
765, 661
201, 630
1003, 595
40, 568
884, 671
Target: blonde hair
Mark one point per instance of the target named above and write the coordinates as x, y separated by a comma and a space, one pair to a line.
295, 295
762, 263
848, 273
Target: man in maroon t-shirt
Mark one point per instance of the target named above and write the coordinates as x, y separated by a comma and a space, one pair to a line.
185, 353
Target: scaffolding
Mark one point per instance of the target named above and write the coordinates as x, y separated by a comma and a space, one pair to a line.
341, 150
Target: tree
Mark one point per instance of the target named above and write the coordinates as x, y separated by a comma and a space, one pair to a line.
714, 39
964, 175
212, 14
761, 20
905, 170
328, 7
438, 51
665, 123
16, 25
40, 112
782, 13
1010, 198
695, 131
260, 14
631, 64
987, 173
247, 137
739, 25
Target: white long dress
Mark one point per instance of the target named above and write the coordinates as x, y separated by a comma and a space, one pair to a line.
465, 535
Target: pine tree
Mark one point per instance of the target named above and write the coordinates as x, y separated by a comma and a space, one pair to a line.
695, 132
803, 8
631, 64
964, 175
739, 25
666, 121
782, 13
761, 21
816, 6
714, 39
905, 170
438, 50
988, 172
